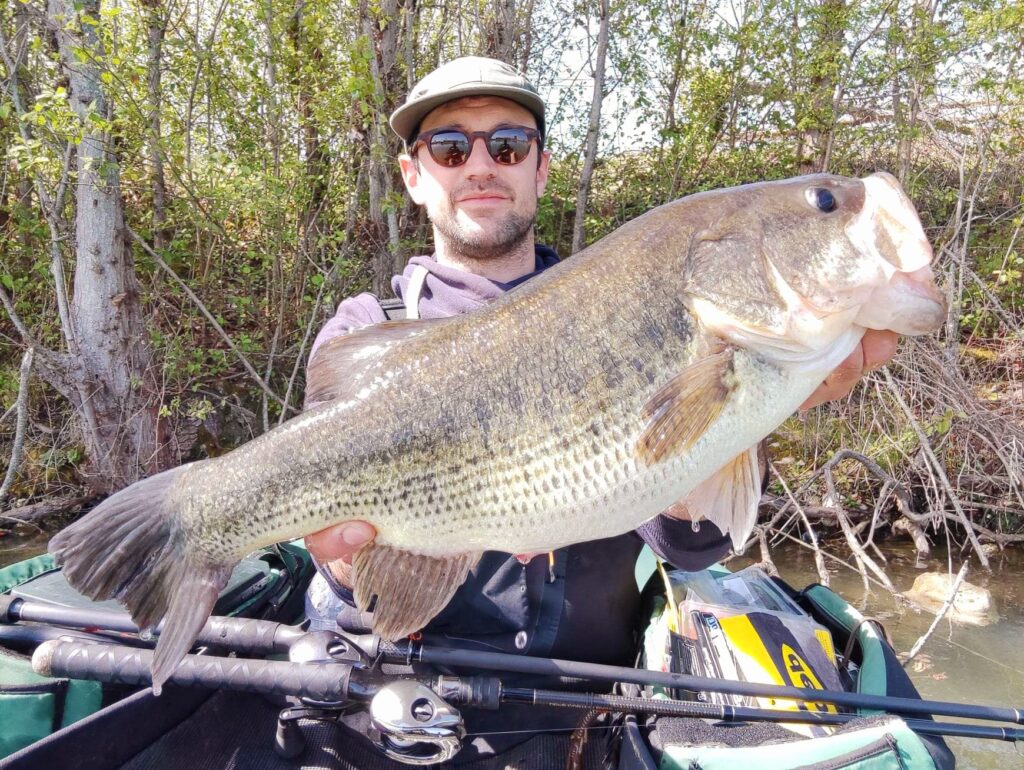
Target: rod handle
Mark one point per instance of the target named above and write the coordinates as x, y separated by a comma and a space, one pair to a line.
117, 664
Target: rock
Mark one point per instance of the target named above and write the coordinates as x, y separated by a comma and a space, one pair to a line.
972, 606
990, 549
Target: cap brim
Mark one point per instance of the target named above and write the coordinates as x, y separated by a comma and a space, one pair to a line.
408, 117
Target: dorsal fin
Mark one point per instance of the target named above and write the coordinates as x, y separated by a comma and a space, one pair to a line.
341, 366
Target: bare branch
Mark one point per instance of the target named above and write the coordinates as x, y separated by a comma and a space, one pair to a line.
938, 618
209, 317
19, 325
20, 425
53, 220
29, 514
926, 447
819, 561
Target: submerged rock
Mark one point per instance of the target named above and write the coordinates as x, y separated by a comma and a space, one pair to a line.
972, 606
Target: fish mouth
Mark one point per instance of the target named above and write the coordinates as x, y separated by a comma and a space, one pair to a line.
910, 303
907, 301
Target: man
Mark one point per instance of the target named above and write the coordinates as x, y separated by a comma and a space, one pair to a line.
474, 132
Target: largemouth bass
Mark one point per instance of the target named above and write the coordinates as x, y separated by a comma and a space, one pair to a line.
641, 372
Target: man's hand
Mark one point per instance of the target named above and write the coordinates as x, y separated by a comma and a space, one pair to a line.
678, 511
335, 547
875, 349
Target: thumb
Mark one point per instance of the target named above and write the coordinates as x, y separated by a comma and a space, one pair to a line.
340, 541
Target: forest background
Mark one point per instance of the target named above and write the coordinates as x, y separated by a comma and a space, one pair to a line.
189, 187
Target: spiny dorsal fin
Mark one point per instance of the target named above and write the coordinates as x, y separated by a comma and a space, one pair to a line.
729, 497
341, 365
683, 409
410, 588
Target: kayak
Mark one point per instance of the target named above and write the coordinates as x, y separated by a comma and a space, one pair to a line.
50, 722
269, 584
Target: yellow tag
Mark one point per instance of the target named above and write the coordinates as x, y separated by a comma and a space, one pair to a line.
800, 675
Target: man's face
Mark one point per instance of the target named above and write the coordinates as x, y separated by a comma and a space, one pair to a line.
482, 209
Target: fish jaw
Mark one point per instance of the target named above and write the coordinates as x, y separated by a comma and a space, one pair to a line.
888, 229
910, 303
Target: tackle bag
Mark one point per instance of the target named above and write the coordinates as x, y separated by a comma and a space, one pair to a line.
866, 663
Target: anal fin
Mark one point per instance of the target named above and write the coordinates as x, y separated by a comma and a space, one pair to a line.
682, 410
410, 588
729, 497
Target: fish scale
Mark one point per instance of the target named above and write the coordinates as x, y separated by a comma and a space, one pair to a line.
556, 474
634, 376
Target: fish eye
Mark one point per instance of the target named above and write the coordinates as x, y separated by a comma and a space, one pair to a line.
821, 198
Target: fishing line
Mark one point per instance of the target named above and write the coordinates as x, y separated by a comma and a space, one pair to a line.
542, 730
965, 648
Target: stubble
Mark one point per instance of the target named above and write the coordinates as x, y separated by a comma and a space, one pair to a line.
504, 237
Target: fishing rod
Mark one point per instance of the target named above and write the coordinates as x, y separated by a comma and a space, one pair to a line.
260, 637
242, 635
331, 683
445, 656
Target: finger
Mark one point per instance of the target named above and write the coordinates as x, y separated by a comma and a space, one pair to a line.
678, 510
879, 347
340, 542
840, 381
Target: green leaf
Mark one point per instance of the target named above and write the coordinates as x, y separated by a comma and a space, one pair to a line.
8, 281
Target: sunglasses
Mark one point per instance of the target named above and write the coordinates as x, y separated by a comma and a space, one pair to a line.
451, 146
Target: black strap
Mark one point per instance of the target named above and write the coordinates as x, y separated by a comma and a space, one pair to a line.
394, 308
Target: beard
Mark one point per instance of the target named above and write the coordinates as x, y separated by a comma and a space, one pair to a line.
490, 243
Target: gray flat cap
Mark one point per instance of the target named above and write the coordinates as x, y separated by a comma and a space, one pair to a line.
468, 76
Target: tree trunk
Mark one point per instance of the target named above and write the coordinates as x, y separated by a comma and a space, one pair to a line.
156, 26
109, 355
19, 81
383, 39
828, 31
315, 155
593, 130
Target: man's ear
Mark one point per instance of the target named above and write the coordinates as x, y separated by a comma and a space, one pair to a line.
542, 172
411, 177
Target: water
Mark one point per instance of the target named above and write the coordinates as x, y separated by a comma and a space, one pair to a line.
15, 547
958, 663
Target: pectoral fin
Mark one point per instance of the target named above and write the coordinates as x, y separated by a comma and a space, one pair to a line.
410, 588
683, 409
729, 497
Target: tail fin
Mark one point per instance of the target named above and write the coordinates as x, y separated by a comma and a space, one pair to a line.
132, 547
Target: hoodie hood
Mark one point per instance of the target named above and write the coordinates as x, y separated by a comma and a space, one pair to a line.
449, 291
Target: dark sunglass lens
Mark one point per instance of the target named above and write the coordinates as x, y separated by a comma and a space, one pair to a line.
449, 148
508, 145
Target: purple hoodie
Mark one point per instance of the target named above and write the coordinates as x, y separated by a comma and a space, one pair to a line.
447, 291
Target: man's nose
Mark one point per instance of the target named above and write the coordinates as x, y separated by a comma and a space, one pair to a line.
480, 162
